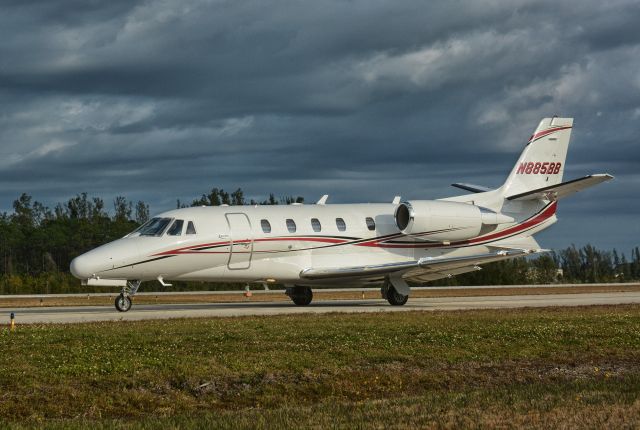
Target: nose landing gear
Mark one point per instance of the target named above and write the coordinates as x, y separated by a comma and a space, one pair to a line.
123, 301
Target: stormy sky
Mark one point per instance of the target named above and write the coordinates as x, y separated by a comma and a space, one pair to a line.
362, 100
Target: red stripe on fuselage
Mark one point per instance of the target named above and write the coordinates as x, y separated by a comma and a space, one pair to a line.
539, 218
190, 248
193, 249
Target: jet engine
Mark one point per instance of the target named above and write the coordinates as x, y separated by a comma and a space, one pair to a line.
441, 221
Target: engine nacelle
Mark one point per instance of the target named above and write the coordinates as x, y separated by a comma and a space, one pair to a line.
441, 221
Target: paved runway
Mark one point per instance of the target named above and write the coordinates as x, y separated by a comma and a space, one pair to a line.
79, 314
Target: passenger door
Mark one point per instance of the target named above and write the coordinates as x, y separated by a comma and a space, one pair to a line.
241, 238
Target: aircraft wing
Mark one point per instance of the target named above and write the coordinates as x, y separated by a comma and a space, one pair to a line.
411, 269
555, 192
455, 265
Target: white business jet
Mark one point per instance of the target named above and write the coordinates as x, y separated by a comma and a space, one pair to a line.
311, 246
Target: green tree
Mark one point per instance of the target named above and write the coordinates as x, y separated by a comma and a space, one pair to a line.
123, 209
142, 212
237, 197
214, 197
23, 211
571, 264
545, 269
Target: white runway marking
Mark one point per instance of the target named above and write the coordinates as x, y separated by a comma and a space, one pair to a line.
78, 314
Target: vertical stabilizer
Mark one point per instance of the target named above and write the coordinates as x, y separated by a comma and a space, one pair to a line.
542, 161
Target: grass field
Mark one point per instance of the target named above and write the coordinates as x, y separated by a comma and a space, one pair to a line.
541, 368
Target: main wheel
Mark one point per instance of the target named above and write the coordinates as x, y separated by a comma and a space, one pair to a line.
123, 303
301, 296
395, 298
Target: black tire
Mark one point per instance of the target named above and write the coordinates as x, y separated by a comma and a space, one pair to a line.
395, 298
301, 296
123, 303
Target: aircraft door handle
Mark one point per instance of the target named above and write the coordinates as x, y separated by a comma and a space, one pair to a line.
223, 236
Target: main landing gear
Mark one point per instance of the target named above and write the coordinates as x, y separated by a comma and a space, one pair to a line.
300, 295
389, 292
123, 301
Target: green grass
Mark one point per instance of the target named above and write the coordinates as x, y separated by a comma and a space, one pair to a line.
575, 367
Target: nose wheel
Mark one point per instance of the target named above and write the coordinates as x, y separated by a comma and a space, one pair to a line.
123, 301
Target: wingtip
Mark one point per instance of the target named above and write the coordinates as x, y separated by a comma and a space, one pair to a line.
605, 176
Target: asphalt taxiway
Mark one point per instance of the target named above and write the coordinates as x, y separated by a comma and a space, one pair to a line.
79, 314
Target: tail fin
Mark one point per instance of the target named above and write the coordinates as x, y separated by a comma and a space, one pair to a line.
542, 161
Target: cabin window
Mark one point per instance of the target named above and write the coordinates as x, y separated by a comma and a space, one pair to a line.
176, 228
191, 229
341, 224
154, 227
371, 224
266, 226
315, 224
291, 226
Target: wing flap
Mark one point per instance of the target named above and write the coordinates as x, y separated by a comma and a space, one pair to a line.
432, 276
356, 271
439, 264
413, 268
564, 189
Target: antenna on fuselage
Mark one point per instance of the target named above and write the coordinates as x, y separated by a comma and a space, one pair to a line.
323, 199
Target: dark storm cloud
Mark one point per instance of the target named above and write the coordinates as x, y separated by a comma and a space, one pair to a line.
361, 99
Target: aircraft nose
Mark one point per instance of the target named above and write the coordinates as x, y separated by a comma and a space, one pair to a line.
80, 267
103, 258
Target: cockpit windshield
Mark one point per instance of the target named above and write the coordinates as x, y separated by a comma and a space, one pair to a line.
154, 227
176, 228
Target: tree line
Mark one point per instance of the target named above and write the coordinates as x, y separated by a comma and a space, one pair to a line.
570, 265
37, 244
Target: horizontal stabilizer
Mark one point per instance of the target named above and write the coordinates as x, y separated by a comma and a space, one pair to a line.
471, 187
564, 189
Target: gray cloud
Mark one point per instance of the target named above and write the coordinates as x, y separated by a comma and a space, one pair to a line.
363, 100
